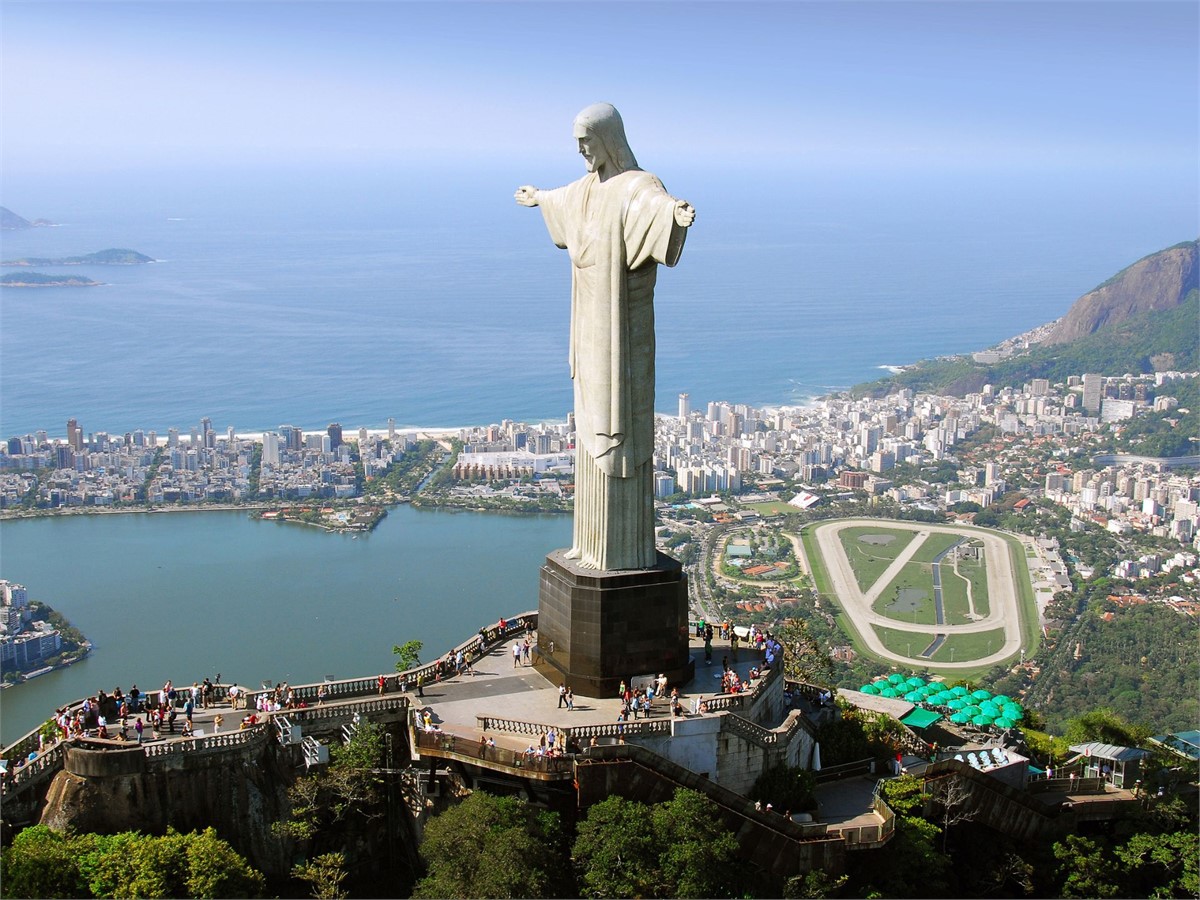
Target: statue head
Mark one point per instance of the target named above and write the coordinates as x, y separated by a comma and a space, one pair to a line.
601, 123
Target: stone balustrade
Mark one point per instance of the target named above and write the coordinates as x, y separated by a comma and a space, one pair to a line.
449, 745
344, 689
578, 732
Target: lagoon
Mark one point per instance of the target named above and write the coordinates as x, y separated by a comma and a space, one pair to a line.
183, 595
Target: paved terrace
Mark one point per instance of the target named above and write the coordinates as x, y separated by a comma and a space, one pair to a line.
507, 698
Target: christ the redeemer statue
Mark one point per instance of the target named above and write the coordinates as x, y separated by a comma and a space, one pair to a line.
618, 223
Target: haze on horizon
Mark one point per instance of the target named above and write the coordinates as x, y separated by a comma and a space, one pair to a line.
1104, 88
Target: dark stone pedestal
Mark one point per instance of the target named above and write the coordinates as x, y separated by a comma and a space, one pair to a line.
599, 628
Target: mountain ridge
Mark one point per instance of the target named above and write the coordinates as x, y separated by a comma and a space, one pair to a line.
1145, 318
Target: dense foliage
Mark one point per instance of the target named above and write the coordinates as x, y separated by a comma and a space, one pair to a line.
675, 849
490, 846
46, 863
1141, 662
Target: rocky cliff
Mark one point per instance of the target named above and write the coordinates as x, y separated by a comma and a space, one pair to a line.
1159, 281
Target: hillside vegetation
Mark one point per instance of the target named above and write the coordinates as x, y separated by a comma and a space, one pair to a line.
1147, 342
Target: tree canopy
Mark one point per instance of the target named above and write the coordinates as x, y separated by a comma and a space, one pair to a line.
679, 848
489, 846
45, 863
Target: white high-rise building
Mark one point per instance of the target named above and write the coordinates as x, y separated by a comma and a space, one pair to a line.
685, 407
270, 454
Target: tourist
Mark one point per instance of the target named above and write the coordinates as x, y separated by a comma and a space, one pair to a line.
382, 684
562, 694
516, 651
218, 721
322, 693
570, 697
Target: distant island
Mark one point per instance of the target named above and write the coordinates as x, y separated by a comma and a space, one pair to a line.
110, 257
37, 279
10, 221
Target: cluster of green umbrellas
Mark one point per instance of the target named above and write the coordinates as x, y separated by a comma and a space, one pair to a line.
978, 707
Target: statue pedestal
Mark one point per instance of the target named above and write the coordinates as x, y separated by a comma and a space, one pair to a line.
599, 628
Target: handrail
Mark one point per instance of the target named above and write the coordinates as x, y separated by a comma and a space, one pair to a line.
607, 729
482, 643
468, 751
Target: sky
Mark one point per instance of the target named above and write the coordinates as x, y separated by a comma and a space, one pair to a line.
1096, 86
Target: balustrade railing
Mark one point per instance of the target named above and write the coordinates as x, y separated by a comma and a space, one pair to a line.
427, 673
473, 752
578, 732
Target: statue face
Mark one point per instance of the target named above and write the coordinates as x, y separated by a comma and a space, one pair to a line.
591, 148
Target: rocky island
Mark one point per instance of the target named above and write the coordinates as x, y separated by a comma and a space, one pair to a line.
110, 257
38, 279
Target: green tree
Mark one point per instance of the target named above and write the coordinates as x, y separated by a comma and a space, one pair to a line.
325, 874
45, 863
679, 848
1161, 865
409, 654
1086, 868
489, 846
612, 848
1106, 726
804, 657
42, 863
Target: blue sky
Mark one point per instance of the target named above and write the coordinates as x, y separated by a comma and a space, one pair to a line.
971, 85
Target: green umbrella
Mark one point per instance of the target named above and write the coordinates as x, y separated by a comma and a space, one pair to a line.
915, 682
913, 697
981, 694
869, 689
957, 703
889, 692
972, 710
896, 678
988, 708
1002, 722
943, 698
959, 690
960, 718
981, 720
1014, 712
1001, 700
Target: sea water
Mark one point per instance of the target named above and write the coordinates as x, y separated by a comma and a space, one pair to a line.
308, 298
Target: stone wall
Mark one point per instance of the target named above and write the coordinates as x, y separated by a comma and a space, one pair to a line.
239, 790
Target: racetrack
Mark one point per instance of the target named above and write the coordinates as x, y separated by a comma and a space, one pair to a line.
1004, 611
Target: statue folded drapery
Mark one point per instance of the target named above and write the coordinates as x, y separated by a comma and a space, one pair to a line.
619, 224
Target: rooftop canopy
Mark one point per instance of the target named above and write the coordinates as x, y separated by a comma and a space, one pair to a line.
1098, 750
921, 718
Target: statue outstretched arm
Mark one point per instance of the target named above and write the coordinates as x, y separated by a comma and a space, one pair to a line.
526, 195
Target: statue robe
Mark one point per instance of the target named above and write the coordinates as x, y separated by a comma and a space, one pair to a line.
617, 233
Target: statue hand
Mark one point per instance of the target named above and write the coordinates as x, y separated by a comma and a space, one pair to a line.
526, 195
685, 214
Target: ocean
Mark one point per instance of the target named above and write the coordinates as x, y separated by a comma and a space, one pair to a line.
308, 298
311, 297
